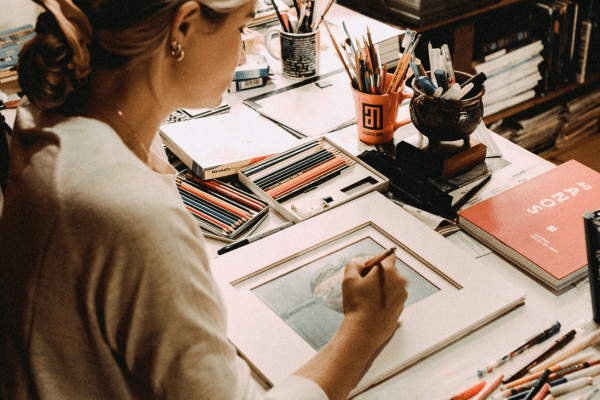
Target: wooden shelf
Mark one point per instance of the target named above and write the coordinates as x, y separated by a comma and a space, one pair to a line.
539, 100
500, 4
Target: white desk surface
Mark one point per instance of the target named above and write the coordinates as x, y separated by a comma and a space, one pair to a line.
453, 369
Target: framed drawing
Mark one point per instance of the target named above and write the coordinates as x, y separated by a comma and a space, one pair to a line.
284, 298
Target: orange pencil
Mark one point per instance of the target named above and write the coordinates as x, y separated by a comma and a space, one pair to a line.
244, 215
470, 392
221, 188
306, 178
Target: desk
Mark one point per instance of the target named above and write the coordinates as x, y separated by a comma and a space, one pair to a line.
453, 368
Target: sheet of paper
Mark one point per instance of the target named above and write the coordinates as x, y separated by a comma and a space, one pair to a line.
308, 108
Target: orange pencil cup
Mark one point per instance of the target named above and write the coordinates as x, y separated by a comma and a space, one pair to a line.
376, 114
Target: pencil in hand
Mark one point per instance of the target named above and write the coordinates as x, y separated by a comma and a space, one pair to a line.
376, 260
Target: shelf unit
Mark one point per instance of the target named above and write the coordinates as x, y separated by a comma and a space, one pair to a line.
463, 28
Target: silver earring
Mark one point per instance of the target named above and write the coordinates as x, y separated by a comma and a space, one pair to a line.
176, 51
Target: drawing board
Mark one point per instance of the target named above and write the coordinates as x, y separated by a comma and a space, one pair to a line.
284, 300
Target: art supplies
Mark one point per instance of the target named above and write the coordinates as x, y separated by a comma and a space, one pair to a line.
316, 168
532, 341
365, 72
558, 344
376, 114
218, 207
253, 238
220, 145
470, 392
442, 77
489, 388
576, 359
572, 349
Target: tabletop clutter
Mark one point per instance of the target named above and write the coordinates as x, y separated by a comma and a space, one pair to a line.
566, 366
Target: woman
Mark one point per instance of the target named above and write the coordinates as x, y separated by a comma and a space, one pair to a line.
106, 289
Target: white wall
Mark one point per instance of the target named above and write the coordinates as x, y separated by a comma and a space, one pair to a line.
15, 13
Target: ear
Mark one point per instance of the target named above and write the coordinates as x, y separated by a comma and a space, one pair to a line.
180, 27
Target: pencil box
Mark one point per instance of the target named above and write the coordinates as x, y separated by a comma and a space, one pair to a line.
311, 178
219, 207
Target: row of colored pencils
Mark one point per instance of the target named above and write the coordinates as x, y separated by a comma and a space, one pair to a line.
218, 207
292, 171
362, 63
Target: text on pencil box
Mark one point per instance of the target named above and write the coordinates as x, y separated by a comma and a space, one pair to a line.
560, 197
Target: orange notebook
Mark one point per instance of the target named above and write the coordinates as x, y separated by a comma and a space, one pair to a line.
539, 224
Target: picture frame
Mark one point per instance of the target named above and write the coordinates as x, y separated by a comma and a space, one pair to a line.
454, 290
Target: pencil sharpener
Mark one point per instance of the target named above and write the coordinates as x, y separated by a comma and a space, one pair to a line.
446, 120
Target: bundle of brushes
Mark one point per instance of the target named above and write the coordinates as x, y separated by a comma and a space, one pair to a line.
441, 82
363, 64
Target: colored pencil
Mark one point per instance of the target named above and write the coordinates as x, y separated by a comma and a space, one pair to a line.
216, 200
238, 195
328, 167
210, 205
209, 211
285, 163
275, 159
293, 169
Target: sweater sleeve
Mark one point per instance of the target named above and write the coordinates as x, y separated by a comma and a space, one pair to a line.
162, 313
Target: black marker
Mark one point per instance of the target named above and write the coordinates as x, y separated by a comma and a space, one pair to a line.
252, 238
477, 81
538, 385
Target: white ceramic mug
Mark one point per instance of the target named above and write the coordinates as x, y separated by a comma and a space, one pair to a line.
300, 52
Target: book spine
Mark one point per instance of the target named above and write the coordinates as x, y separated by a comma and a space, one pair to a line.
584, 48
592, 242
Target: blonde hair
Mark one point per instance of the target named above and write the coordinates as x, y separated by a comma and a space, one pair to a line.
123, 32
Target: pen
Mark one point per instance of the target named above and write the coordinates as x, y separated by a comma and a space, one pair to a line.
569, 351
538, 385
253, 238
557, 367
535, 339
376, 260
558, 344
448, 63
471, 193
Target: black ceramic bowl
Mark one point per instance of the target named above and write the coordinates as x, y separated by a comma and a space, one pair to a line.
446, 120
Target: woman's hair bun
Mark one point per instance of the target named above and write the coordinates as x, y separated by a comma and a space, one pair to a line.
45, 66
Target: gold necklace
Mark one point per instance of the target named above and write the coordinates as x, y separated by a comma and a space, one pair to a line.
134, 135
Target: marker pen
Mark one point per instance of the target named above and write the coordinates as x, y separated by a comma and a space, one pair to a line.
576, 359
574, 348
441, 79
570, 386
538, 385
452, 91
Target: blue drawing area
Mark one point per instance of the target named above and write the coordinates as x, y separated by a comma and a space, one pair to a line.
309, 298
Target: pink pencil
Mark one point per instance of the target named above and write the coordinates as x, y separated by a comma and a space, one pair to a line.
490, 387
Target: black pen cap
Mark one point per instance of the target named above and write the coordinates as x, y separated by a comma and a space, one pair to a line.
477, 81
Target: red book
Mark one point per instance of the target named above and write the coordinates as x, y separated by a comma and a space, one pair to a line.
539, 224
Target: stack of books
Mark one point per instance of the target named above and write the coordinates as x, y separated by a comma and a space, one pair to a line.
512, 76
534, 132
580, 119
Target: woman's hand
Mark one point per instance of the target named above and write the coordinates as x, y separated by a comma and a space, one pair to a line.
374, 302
